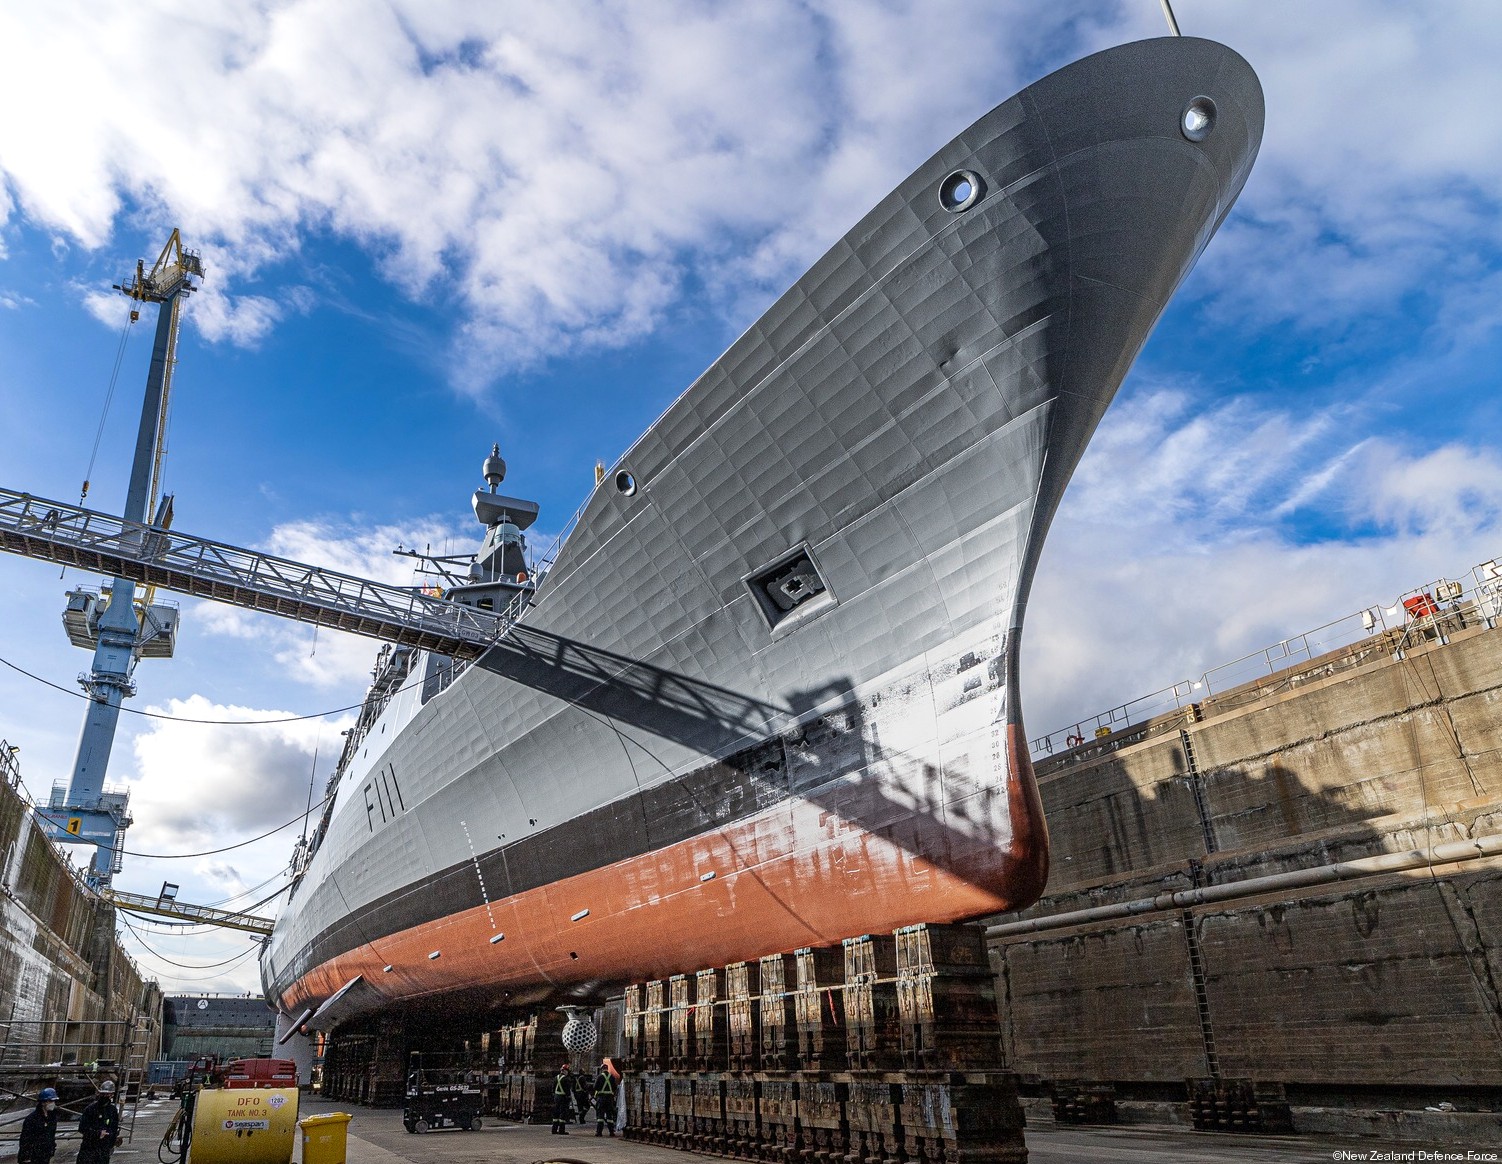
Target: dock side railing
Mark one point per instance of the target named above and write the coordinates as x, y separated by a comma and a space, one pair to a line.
1429, 613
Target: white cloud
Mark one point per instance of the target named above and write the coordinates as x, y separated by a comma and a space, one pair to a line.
240, 319
555, 171
1381, 163
1163, 457
247, 776
201, 787
108, 307
329, 659
1454, 489
1188, 559
559, 173
365, 551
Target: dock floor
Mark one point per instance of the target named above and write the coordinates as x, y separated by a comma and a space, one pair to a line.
377, 1137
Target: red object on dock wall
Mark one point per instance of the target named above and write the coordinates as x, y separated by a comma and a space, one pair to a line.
1420, 605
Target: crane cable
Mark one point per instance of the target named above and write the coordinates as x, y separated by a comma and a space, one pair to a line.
157, 954
109, 397
226, 848
415, 683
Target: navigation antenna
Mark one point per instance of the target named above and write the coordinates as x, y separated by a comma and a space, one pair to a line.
119, 628
1173, 24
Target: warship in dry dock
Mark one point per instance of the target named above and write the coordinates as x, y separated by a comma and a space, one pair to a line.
765, 694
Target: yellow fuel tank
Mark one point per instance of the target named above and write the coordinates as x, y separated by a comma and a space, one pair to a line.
244, 1125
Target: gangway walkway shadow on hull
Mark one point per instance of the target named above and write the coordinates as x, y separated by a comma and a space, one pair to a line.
819, 749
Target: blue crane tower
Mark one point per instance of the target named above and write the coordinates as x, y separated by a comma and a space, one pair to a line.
119, 627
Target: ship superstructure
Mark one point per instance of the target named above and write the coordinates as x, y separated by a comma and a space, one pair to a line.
766, 694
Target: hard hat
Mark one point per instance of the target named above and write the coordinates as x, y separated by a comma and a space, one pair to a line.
46, 1094
107, 1087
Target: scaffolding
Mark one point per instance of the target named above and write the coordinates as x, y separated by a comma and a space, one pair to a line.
74, 1058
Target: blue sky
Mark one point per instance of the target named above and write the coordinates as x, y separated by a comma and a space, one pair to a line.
432, 226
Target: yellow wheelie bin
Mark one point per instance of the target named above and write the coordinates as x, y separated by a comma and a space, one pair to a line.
324, 1138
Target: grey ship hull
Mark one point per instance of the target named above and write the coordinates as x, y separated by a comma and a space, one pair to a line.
659, 768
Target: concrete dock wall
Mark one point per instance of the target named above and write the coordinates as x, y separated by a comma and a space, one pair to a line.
1390, 981
66, 985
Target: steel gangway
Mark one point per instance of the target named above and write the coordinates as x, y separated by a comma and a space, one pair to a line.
55, 531
161, 906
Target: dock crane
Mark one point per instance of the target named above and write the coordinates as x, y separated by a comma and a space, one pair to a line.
139, 548
120, 628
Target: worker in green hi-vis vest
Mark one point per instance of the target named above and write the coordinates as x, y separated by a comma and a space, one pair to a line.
606, 1083
563, 1092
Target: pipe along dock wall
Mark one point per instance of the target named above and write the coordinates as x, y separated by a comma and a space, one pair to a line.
1381, 991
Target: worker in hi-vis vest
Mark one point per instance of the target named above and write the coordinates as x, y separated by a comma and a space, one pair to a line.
563, 1093
605, 1084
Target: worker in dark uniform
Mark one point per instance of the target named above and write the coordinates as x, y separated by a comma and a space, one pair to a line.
563, 1092
39, 1131
99, 1127
605, 1083
584, 1086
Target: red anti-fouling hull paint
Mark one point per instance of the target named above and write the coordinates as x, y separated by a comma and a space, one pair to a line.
658, 914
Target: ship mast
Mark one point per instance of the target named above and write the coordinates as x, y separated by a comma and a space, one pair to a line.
121, 628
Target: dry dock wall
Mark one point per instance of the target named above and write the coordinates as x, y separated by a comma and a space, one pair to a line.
1388, 984
66, 985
